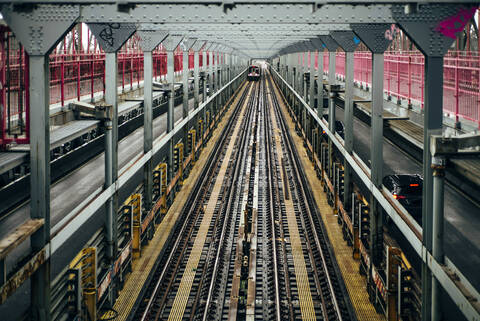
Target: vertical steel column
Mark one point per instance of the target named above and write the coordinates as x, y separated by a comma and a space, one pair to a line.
111, 150
331, 106
438, 166
298, 73
346, 40
306, 54
40, 179
434, 45
210, 73
311, 98
205, 70
432, 125
320, 83
376, 158
171, 106
196, 68
185, 73
149, 41
148, 126
348, 119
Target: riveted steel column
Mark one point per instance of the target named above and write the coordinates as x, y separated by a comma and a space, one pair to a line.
111, 150
373, 35
311, 89
185, 73
40, 178
196, 62
438, 166
148, 126
171, 107
205, 70
376, 157
432, 125
119, 35
149, 40
210, 73
348, 42
348, 119
306, 55
320, 83
39, 32
331, 107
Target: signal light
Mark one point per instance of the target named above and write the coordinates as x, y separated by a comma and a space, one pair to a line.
414, 185
398, 197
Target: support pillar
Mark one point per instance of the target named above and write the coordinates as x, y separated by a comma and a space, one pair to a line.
39, 45
40, 179
171, 110
332, 94
149, 40
205, 71
320, 83
148, 127
346, 40
373, 35
196, 79
111, 150
434, 43
438, 166
196, 47
170, 44
311, 89
185, 73
120, 34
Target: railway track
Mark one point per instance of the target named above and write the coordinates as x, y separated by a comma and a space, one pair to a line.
251, 245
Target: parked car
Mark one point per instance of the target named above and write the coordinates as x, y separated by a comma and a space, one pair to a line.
339, 128
407, 189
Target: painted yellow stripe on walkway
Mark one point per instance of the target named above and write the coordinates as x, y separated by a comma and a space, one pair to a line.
181, 298
142, 267
355, 283
301, 275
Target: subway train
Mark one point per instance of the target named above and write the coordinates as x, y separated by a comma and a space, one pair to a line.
253, 72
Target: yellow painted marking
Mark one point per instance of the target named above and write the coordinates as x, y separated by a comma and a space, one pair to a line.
181, 298
355, 283
142, 267
301, 274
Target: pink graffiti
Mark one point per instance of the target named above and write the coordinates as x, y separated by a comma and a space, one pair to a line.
453, 24
390, 33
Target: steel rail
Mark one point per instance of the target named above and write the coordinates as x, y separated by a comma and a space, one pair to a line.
237, 166
269, 161
193, 200
293, 156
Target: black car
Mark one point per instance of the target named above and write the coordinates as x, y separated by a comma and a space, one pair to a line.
407, 189
339, 128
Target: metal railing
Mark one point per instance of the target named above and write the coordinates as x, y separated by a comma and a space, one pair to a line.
404, 79
73, 75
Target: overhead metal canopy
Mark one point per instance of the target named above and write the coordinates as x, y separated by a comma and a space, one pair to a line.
256, 28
